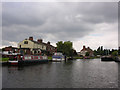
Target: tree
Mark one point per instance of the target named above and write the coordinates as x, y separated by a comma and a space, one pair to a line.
100, 51
74, 52
65, 48
87, 54
59, 46
95, 52
101, 48
115, 53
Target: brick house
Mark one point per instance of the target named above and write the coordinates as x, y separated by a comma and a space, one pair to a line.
51, 49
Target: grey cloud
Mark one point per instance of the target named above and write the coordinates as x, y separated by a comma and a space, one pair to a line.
54, 21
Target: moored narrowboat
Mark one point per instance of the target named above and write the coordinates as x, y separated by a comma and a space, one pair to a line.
13, 62
28, 59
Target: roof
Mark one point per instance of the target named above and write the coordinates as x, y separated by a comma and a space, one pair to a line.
11, 47
37, 42
41, 43
86, 49
24, 48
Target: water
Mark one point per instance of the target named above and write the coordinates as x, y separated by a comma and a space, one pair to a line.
71, 74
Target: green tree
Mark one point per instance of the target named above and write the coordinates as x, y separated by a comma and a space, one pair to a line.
114, 53
87, 54
65, 48
95, 52
60, 46
100, 51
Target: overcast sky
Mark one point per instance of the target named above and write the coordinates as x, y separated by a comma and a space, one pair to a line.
92, 24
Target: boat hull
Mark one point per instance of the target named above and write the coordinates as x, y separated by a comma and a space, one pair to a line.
30, 62
13, 62
107, 59
29, 59
57, 59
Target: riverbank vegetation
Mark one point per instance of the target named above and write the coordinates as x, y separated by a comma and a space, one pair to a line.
102, 52
4, 59
49, 57
66, 48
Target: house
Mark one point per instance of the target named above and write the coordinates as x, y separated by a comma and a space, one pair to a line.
85, 50
10, 50
51, 49
30, 46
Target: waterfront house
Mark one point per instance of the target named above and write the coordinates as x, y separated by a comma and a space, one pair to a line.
51, 49
30, 46
85, 50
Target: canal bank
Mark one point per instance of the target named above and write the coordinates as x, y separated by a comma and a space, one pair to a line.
78, 73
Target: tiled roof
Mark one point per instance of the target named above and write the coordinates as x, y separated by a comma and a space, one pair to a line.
41, 43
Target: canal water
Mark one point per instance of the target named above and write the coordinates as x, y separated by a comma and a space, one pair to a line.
79, 73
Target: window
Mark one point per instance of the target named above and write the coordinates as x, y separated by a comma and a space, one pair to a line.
20, 46
25, 42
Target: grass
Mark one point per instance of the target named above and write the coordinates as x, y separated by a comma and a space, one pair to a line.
77, 57
49, 57
4, 59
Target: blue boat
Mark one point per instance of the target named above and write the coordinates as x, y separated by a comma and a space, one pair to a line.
58, 57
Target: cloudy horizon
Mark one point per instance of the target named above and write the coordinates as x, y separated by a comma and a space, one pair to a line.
92, 24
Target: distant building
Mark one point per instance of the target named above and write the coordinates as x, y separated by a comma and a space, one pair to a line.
85, 50
29, 46
10, 49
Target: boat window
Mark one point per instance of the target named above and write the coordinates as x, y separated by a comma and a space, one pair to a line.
58, 54
38, 57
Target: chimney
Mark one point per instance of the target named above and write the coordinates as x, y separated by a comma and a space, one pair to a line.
31, 38
39, 40
84, 47
48, 42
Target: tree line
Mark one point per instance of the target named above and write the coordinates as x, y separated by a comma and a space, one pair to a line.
67, 49
102, 52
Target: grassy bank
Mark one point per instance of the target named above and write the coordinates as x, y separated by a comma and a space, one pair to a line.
77, 57
49, 57
4, 59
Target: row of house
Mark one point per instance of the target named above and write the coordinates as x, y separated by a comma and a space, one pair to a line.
30, 46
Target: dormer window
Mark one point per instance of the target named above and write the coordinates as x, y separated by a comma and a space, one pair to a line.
25, 42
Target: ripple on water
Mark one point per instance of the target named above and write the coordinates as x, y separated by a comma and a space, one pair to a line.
72, 74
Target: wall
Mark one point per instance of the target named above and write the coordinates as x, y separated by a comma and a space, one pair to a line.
29, 45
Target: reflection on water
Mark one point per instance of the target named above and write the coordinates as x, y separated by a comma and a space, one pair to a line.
71, 74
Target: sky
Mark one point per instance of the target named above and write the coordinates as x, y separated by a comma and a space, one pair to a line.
92, 24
